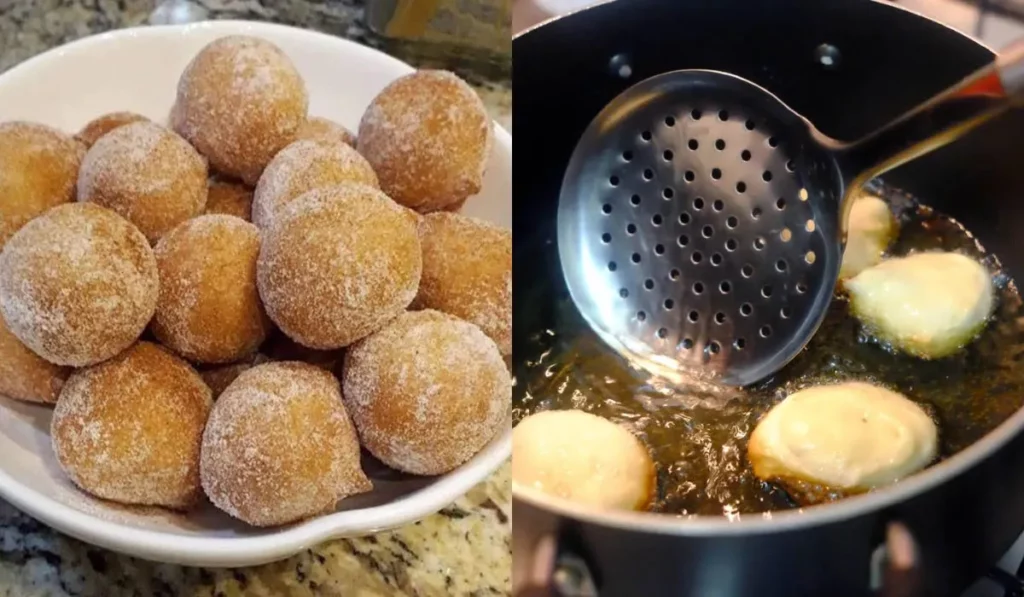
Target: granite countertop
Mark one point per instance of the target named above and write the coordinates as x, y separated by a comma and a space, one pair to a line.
463, 550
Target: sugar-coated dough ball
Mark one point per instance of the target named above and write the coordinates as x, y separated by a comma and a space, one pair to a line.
581, 457
78, 284
467, 272
240, 101
280, 347
929, 304
870, 229
38, 169
229, 198
147, 174
304, 166
428, 137
24, 375
324, 130
850, 437
102, 125
279, 446
209, 309
427, 392
337, 264
130, 429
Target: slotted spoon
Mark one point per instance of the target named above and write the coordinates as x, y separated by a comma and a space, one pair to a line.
701, 222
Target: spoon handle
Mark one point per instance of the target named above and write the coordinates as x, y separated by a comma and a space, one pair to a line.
939, 121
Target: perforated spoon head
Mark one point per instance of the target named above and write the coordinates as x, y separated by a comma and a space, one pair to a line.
698, 227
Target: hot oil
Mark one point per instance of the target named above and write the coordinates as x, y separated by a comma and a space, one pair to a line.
698, 435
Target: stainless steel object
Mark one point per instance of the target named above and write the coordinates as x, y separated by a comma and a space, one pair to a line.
701, 221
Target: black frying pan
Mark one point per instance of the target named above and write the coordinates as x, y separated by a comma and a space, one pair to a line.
962, 514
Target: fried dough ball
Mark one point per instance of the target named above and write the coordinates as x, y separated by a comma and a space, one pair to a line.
24, 375
279, 446
467, 272
427, 392
130, 429
78, 284
870, 229
240, 101
219, 377
102, 125
230, 199
209, 309
38, 169
581, 457
324, 130
850, 437
147, 174
337, 264
304, 166
428, 138
929, 305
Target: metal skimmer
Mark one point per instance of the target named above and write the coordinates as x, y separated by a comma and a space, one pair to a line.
701, 222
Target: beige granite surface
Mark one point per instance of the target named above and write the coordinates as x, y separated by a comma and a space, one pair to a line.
463, 550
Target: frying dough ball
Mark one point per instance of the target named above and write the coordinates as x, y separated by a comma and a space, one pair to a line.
38, 169
240, 101
209, 309
304, 166
337, 264
467, 272
850, 437
324, 130
130, 429
230, 199
929, 305
147, 174
870, 229
219, 377
78, 284
279, 446
24, 375
581, 457
428, 137
427, 392
102, 125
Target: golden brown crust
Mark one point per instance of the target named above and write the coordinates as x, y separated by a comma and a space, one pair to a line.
467, 272
102, 125
209, 309
219, 377
78, 284
324, 130
24, 375
304, 166
279, 446
38, 169
148, 175
229, 198
428, 138
427, 392
337, 264
130, 429
240, 101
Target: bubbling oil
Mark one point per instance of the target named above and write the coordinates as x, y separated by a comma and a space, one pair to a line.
698, 435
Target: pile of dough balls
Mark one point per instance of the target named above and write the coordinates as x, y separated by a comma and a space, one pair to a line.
299, 301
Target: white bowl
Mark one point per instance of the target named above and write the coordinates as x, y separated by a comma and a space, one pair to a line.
138, 70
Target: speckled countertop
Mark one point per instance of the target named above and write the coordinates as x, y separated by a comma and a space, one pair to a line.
463, 550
